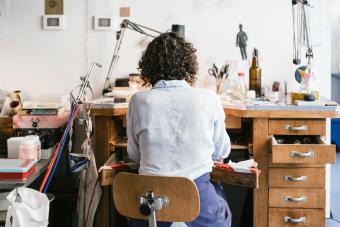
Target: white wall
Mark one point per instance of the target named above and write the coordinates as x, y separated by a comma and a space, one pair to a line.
335, 17
335, 13
51, 62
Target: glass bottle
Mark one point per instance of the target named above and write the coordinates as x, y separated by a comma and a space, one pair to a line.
241, 88
255, 74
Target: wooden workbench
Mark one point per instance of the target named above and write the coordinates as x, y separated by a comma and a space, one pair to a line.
266, 123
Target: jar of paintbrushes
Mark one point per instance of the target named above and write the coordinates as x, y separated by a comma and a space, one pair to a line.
220, 75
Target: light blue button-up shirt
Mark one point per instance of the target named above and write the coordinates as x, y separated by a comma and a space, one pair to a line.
176, 130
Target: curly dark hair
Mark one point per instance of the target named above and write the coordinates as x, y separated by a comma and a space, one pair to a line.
168, 57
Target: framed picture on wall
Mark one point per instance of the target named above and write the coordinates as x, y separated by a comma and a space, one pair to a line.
53, 7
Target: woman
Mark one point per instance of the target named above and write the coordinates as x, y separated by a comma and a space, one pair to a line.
177, 130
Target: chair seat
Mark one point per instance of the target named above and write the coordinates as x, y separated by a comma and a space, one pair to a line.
184, 203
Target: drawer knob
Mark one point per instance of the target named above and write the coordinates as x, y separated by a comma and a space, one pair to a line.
294, 220
297, 128
300, 199
289, 178
302, 154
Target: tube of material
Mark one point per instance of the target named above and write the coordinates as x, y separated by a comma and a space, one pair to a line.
6, 109
15, 107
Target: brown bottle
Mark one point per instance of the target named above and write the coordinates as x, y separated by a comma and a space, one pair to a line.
255, 74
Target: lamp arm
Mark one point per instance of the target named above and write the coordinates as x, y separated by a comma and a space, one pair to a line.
309, 53
139, 28
126, 24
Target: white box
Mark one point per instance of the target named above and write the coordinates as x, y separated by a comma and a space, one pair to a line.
13, 144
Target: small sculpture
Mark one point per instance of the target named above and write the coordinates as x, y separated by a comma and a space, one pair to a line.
241, 41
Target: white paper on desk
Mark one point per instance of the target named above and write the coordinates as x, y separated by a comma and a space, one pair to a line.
28, 208
243, 164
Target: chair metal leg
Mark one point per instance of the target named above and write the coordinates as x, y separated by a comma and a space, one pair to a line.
152, 219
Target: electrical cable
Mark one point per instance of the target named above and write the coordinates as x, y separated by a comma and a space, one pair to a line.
61, 149
55, 154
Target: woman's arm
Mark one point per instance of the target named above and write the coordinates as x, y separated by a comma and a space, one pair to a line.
221, 138
133, 147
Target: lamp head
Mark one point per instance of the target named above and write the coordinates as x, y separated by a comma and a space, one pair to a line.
179, 30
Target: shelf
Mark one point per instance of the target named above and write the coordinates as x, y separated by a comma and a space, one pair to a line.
249, 180
239, 147
122, 143
219, 175
119, 142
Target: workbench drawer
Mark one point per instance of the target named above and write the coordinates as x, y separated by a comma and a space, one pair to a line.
296, 198
297, 127
317, 153
279, 217
297, 177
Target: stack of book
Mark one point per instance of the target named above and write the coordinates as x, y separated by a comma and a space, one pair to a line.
16, 169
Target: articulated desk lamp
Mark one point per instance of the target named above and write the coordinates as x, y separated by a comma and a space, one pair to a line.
305, 74
126, 24
301, 28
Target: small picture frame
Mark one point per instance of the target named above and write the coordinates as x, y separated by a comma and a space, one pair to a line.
103, 23
53, 22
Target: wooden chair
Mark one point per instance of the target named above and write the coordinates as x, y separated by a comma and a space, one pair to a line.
175, 199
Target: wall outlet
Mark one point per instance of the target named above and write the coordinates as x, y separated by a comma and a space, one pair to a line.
103, 23
53, 22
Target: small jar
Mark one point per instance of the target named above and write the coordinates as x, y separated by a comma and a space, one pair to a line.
37, 141
29, 149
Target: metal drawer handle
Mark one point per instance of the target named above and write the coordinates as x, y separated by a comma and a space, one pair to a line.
289, 178
294, 220
297, 128
302, 154
295, 199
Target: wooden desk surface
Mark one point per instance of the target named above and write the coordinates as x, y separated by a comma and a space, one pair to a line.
291, 113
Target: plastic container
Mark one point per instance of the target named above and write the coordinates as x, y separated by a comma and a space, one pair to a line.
37, 141
29, 149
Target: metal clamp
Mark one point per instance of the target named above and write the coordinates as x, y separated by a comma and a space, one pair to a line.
149, 204
297, 128
302, 154
294, 220
300, 199
289, 178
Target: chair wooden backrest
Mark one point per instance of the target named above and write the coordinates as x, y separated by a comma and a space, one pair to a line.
184, 203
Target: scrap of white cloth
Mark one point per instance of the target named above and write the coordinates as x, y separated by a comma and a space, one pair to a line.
243, 166
28, 208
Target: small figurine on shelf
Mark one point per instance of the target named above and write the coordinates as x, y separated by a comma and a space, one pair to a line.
241, 41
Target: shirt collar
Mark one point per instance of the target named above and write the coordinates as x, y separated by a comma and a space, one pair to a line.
171, 83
